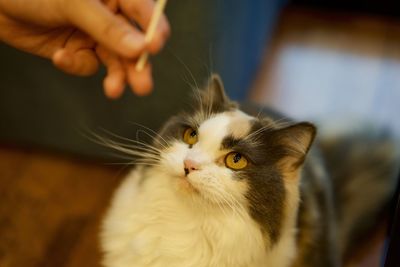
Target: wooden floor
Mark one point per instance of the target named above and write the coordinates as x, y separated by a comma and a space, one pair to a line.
51, 204
50, 208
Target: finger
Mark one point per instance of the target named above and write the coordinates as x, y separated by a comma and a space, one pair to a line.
77, 56
82, 62
115, 33
114, 82
141, 82
79, 40
141, 11
112, 5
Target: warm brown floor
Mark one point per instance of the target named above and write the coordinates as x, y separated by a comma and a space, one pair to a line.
50, 208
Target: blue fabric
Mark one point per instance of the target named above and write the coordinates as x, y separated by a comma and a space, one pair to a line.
243, 31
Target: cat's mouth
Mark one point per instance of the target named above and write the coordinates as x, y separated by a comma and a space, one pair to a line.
185, 184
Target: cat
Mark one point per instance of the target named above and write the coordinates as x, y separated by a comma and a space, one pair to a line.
222, 188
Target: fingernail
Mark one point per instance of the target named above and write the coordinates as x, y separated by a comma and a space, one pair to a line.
134, 43
141, 92
113, 82
113, 87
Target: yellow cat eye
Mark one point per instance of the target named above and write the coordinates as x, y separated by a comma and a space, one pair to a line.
235, 161
190, 136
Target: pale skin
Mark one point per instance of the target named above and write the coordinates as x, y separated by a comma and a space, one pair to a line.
78, 35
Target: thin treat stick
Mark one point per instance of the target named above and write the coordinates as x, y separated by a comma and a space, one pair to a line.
155, 18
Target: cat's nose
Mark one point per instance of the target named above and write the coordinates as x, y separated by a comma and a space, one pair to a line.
190, 165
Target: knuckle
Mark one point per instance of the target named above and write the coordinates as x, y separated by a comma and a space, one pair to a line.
138, 9
108, 30
114, 30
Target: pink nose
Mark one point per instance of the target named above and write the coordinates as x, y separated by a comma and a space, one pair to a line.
190, 166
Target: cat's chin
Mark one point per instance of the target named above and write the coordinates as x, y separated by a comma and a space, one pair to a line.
187, 189
184, 185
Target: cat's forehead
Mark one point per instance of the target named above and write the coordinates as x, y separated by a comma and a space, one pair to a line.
236, 124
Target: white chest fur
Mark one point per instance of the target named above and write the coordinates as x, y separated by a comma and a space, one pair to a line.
151, 225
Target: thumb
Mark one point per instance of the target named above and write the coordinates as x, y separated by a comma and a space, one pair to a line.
108, 29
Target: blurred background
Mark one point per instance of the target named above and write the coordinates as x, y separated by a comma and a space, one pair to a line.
325, 61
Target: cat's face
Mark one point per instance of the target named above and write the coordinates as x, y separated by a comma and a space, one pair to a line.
218, 151
222, 156
206, 160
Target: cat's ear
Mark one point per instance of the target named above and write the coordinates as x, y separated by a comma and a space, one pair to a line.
293, 143
216, 90
214, 97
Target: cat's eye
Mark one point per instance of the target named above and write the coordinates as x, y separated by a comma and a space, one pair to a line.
190, 136
235, 161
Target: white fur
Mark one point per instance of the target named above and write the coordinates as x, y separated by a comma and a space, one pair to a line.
158, 218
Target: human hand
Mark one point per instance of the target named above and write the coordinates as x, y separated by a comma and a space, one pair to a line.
76, 34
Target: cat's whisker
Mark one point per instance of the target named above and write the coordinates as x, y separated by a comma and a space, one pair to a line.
230, 202
132, 148
185, 66
213, 200
197, 93
259, 112
132, 152
210, 103
233, 202
259, 131
222, 205
227, 199
283, 122
131, 161
138, 147
210, 68
122, 157
236, 203
125, 148
143, 146
144, 164
148, 159
149, 163
137, 141
148, 146
184, 79
156, 135
154, 139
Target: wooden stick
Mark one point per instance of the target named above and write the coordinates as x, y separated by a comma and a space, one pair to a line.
155, 18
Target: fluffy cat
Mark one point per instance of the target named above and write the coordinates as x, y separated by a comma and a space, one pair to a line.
222, 188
